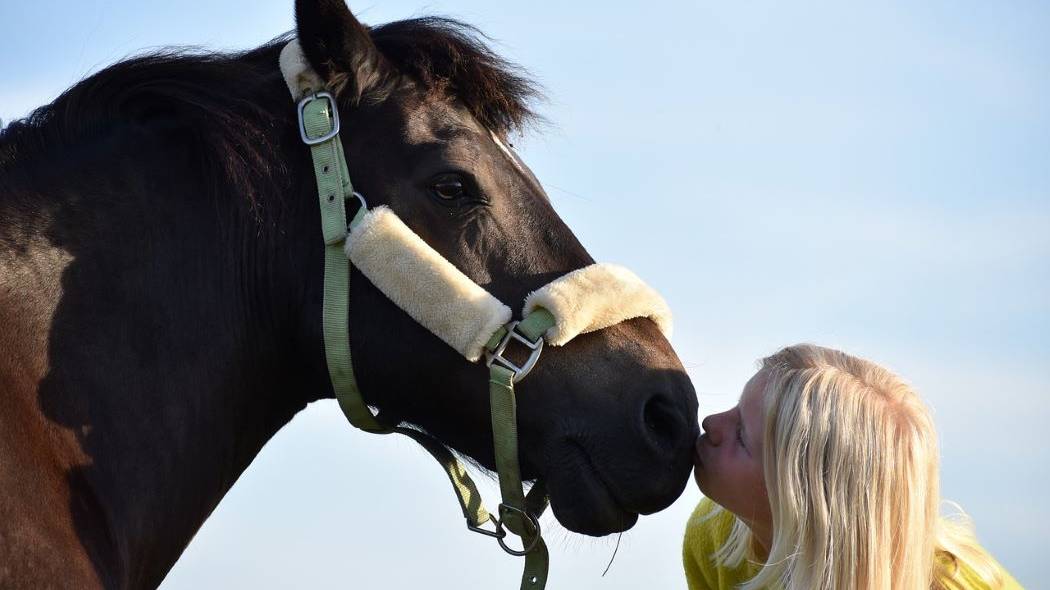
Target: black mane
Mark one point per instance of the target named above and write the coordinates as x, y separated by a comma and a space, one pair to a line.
233, 104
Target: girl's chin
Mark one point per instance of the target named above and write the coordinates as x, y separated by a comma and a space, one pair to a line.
703, 478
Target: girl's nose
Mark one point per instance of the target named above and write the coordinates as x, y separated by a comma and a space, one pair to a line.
711, 431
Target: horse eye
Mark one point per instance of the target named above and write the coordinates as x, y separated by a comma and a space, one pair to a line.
448, 189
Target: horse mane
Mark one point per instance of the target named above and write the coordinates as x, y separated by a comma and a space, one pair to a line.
233, 104
218, 98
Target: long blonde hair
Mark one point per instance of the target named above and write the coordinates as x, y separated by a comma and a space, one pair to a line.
851, 467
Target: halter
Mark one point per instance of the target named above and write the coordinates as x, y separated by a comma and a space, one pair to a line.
453, 307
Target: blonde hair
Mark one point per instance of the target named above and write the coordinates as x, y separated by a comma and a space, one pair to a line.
851, 468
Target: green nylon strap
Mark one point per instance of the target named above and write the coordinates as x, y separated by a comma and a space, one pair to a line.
505, 441
504, 414
333, 189
505, 435
536, 324
466, 492
538, 560
536, 500
533, 327
333, 182
497, 337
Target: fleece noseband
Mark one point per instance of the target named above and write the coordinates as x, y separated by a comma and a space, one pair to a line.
457, 310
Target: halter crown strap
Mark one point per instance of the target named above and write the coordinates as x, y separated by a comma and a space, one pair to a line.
317, 116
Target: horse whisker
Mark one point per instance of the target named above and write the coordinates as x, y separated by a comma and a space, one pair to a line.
613, 558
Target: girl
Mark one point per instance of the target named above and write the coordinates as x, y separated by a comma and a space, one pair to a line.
825, 477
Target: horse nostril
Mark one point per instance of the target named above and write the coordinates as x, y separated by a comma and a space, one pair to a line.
661, 420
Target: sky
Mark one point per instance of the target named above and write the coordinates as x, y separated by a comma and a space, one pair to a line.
873, 177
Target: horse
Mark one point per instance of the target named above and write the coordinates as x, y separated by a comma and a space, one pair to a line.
161, 293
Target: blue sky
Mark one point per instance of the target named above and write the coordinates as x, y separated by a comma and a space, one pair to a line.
872, 177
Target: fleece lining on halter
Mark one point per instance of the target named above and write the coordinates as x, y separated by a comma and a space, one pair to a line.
596, 297
423, 283
298, 75
464, 315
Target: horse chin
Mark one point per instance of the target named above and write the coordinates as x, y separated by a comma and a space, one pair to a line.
582, 501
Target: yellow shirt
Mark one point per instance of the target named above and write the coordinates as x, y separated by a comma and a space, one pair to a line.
705, 534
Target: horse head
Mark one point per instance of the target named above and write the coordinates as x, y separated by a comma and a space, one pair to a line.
608, 420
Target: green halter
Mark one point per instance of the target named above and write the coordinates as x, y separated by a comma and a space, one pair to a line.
518, 513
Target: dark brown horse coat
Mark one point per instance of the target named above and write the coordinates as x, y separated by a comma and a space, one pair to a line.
160, 289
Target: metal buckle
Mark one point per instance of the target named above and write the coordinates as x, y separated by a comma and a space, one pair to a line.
499, 533
535, 537
333, 114
497, 356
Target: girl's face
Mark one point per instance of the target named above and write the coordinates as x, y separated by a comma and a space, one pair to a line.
728, 457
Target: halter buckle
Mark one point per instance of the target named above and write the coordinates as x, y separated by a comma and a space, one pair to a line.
333, 113
498, 533
496, 356
535, 522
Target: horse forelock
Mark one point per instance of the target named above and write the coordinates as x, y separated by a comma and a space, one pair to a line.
452, 58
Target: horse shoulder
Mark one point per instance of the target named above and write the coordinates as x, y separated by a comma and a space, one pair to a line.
39, 542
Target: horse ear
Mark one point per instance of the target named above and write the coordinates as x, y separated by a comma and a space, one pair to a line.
338, 46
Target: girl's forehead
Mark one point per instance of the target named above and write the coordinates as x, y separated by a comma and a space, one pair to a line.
754, 387
751, 407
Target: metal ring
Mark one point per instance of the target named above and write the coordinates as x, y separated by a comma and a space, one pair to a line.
359, 214
535, 538
361, 199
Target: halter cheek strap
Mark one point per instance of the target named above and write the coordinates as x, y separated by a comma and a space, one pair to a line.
461, 313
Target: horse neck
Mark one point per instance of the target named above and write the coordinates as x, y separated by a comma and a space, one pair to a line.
169, 360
